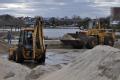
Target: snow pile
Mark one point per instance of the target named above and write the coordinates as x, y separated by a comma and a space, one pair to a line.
100, 63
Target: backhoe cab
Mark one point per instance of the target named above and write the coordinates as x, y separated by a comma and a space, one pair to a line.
31, 44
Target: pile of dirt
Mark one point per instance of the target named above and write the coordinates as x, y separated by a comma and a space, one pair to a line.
61, 59
67, 37
42, 71
12, 71
55, 60
100, 63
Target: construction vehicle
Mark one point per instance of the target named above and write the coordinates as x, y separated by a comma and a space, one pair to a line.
31, 44
95, 35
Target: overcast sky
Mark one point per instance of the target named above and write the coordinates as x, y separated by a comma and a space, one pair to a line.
60, 8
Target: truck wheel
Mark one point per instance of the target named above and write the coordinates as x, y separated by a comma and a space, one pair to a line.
19, 56
108, 41
92, 42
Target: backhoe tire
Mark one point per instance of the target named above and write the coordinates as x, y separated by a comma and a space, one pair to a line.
42, 59
12, 57
19, 56
92, 42
108, 41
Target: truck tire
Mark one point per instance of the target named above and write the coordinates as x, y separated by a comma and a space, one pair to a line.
108, 41
92, 42
19, 56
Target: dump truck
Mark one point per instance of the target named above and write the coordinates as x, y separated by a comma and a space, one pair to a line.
31, 44
95, 35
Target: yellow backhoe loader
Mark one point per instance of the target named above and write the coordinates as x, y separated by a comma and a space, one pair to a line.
31, 44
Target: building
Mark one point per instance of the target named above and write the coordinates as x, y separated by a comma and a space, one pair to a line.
115, 15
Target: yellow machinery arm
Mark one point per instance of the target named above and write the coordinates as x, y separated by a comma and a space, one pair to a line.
38, 38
